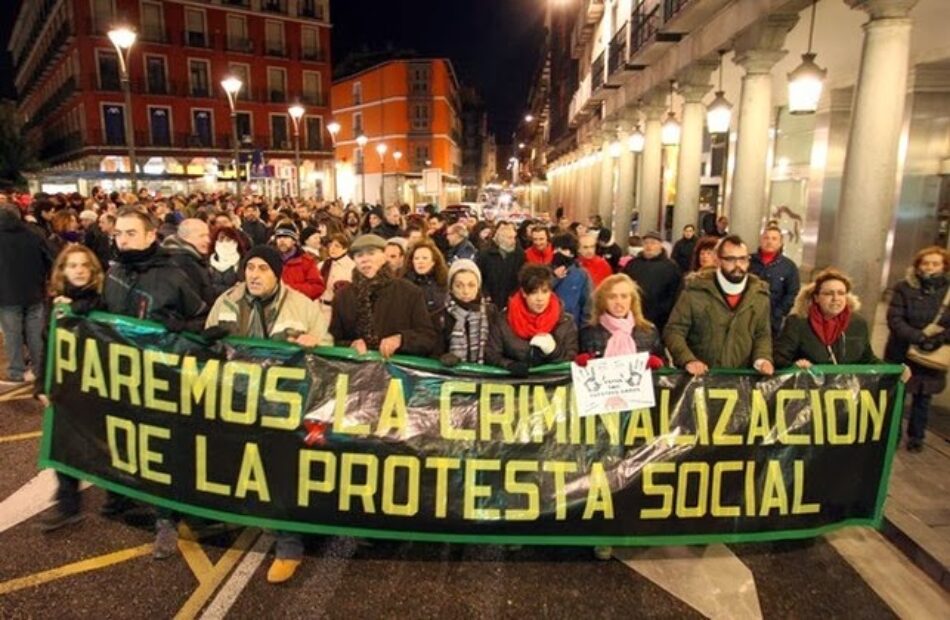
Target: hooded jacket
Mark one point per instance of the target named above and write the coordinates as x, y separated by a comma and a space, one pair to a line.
24, 262
301, 274
574, 290
799, 341
703, 327
184, 256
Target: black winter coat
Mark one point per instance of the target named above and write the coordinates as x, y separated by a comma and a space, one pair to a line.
659, 279
157, 290
436, 295
100, 244
506, 349
257, 231
186, 257
25, 263
798, 341
782, 277
499, 273
400, 308
612, 254
593, 340
914, 305
387, 230
683, 253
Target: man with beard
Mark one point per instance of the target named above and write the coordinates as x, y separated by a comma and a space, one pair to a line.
683, 249
300, 268
721, 319
500, 264
146, 284
252, 225
381, 312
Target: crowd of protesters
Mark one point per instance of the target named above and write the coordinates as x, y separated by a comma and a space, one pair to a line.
458, 289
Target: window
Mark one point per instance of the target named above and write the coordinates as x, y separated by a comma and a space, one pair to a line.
314, 133
310, 8
357, 123
422, 155
418, 79
244, 130
278, 132
108, 70
201, 128
238, 40
277, 6
198, 75
113, 124
195, 28
103, 14
277, 84
155, 75
357, 93
311, 88
159, 125
243, 73
153, 23
420, 116
274, 37
310, 43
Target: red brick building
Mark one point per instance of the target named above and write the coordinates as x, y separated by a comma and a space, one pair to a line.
70, 95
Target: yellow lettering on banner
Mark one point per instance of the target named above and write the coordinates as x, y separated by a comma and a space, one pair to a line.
599, 497
291, 398
664, 412
147, 457
251, 477
750, 496
113, 426
702, 490
411, 506
131, 381
817, 419
154, 384
393, 415
445, 410
549, 413
93, 377
575, 422
560, 469
781, 423
798, 505
340, 424
475, 491
199, 386
832, 398
639, 426
349, 489
718, 508
701, 417
610, 423
232, 370
306, 485
721, 435
759, 427
202, 483
774, 495
442, 465
528, 489
651, 487
65, 353
873, 411
504, 418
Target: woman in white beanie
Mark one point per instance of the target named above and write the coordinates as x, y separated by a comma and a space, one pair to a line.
466, 318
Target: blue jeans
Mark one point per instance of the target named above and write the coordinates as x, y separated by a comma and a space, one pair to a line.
919, 408
21, 323
289, 545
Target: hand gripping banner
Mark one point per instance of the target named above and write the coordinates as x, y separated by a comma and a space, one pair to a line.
268, 434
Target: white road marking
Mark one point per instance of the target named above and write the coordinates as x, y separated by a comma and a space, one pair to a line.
29, 500
232, 588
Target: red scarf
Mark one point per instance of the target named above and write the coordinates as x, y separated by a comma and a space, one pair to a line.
828, 330
527, 324
767, 258
535, 257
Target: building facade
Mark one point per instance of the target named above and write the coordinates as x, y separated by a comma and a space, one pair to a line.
69, 89
409, 112
478, 145
867, 169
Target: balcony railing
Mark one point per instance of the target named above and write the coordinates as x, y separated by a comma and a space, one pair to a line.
240, 44
57, 147
154, 34
62, 93
191, 38
313, 55
618, 51
62, 36
277, 96
316, 99
274, 6
597, 72
672, 7
275, 49
313, 10
243, 3
644, 26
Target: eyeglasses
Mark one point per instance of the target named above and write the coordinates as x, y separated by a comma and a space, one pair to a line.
732, 260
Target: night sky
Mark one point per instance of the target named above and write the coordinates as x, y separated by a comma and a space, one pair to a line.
493, 44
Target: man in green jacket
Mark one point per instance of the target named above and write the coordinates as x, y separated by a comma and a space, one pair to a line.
721, 319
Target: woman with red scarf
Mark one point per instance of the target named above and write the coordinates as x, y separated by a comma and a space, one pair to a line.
824, 327
535, 330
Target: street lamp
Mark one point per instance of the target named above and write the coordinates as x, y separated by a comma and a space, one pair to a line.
361, 141
232, 86
670, 132
529, 118
381, 151
296, 113
123, 38
333, 128
719, 112
806, 81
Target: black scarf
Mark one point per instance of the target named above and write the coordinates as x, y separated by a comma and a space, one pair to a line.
367, 292
260, 313
136, 260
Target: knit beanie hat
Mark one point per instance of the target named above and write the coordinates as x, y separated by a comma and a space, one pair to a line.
465, 264
267, 254
286, 230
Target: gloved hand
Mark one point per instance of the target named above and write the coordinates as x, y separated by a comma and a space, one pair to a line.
581, 359
655, 362
932, 343
82, 307
214, 334
519, 370
449, 359
174, 324
545, 342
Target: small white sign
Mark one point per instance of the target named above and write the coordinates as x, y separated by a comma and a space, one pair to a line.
612, 384
432, 181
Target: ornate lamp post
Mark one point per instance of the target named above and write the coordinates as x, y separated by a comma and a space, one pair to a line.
361, 141
296, 113
232, 86
123, 38
333, 128
381, 150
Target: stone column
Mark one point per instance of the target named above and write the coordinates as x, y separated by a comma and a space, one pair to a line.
625, 191
606, 179
868, 193
757, 51
651, 163
693, 86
